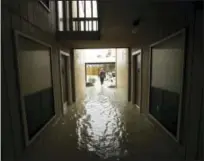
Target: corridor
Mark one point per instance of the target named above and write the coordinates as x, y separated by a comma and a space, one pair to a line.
151, 105
102, 126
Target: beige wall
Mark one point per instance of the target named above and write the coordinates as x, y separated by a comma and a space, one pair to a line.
79, 73
122, 70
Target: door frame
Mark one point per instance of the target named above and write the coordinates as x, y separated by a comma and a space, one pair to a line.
133, 55
69, 89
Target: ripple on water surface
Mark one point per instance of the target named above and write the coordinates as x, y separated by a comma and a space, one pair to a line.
100, 128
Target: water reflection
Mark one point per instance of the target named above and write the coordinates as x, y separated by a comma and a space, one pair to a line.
100, 128
103, 127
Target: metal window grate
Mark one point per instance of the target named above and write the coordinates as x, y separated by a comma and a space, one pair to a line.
80, 15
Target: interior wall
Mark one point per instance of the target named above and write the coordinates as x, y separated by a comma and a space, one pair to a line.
195, 110
69, 71
7, 139
32, 19
79, 69
122, 70
167, 64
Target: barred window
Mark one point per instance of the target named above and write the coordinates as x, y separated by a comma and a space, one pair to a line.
80, 15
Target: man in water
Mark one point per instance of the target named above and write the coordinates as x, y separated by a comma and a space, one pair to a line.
102, 75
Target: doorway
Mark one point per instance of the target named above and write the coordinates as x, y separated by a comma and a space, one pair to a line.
65, 79
92, 74
118, 57
136, 70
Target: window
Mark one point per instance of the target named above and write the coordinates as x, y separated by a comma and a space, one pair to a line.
60, 15
80, 15
88, 9
46, 4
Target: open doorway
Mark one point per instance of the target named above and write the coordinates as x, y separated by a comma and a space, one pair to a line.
65, 79
92, 71
137, 76
113, 60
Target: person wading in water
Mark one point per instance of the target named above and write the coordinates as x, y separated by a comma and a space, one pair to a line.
102, 75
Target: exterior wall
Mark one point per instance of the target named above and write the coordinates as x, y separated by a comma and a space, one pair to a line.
32, 19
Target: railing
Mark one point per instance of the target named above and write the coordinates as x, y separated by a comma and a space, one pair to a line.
83, 24
78, 16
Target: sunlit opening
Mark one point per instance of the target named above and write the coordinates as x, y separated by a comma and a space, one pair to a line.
60, 15
79, 15
102, 133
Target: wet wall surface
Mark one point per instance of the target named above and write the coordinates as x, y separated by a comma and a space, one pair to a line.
102, 126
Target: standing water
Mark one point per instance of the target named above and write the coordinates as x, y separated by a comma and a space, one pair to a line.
102, 127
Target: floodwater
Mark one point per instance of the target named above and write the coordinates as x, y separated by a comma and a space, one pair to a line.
103, 126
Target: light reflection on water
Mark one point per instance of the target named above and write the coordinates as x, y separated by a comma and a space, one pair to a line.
100, 128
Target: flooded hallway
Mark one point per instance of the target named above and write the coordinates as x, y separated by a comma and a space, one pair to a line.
102, 80
103, 126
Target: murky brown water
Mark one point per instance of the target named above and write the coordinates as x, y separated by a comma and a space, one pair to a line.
103, 126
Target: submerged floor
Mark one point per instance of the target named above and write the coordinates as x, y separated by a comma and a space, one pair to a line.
103, 126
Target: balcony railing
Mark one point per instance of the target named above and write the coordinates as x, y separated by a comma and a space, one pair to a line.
77, 16
82, 24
